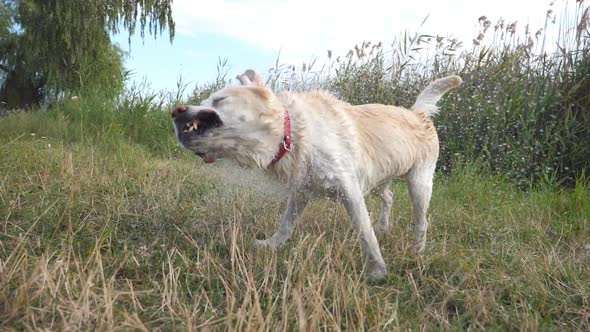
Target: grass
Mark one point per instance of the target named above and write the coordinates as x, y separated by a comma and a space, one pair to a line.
111, 234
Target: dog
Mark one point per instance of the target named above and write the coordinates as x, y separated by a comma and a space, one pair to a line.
319, 145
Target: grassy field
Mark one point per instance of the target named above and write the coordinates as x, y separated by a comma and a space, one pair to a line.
104, 226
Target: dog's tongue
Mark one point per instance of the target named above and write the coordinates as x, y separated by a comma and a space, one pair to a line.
209, 158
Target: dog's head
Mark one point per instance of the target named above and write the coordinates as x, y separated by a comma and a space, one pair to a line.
244, 123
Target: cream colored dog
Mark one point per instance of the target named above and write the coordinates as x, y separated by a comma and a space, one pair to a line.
319, 145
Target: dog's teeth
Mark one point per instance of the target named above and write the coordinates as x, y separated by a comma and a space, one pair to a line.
190, 126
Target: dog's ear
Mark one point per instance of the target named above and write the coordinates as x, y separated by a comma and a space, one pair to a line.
250, 77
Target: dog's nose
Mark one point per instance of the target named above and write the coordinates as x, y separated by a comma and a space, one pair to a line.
179, 109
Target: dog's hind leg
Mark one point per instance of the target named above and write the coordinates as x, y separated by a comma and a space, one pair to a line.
386, 195
420, 188
295, 206
355, 205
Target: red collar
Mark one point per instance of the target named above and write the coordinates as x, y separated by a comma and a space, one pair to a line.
286, 143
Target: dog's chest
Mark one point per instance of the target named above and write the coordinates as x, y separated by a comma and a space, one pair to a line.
325, 178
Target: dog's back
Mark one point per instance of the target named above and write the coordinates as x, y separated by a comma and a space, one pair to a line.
393, 139
381, 140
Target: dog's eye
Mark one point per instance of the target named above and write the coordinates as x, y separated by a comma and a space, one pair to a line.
218, 99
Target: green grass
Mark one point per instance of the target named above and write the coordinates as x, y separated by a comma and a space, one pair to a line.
100, 231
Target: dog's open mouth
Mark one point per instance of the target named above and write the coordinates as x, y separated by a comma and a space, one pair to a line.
191, 126
198, 123
194, 126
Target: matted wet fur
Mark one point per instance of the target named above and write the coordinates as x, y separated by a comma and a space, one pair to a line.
338, 150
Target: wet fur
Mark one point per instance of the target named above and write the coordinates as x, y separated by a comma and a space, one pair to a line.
339, 150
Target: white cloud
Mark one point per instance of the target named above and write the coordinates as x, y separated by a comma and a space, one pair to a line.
306, 29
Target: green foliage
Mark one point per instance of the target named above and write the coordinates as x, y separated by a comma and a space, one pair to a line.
21, 83
6, 17
64, 46
527, 126
131, 118
101, 71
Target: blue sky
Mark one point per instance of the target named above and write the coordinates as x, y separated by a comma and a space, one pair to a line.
251, 33
192, 58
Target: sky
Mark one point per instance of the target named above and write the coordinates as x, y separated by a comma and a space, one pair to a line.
254, 33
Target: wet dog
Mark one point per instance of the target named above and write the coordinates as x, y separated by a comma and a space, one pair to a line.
319, 145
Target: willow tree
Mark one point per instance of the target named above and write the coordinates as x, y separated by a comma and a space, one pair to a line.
56, 46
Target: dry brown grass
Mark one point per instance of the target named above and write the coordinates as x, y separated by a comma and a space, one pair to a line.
111, 238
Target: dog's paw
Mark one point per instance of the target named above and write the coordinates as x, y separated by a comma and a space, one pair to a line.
376, 274
376, 270
419, 247
376, 280
269, 243
419, 243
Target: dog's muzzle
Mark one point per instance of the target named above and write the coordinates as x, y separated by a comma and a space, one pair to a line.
192, 124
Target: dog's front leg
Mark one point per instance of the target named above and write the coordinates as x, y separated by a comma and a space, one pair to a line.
355, 205
295, 206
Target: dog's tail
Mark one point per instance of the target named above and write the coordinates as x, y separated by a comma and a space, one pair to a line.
426, 101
